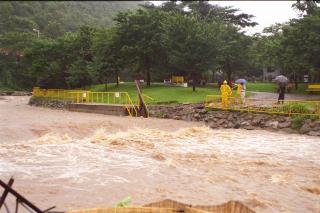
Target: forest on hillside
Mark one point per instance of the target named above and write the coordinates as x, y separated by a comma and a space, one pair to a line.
84, 43
54, 18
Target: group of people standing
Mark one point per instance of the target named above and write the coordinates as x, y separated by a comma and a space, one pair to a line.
226, 93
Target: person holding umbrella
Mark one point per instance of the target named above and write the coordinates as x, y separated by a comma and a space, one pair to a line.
241, 90
282, 83
281, 91
243, 93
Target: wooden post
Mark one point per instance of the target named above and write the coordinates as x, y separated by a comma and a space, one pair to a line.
142, 106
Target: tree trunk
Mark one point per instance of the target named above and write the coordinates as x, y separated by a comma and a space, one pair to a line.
229, 72
148, 78
295, 81
213, 76
117, 79
193, 82
147, 69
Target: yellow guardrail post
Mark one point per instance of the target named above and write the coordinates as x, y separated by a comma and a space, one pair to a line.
87, 97
289, 109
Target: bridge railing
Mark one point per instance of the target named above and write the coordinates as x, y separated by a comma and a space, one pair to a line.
120, 98
270, 106
54, 93
88, 97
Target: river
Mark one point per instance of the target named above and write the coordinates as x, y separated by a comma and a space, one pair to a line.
78, 160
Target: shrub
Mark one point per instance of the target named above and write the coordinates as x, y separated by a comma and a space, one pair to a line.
297, 121
305, 108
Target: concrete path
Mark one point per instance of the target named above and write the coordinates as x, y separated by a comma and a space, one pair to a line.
269, 95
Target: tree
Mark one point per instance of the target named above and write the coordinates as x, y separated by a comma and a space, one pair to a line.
44, 63
234, 48
53, 29
265, 50
301, 46
307, 7
108, 60
191, 43
78, 74
294, 46
139, 34
215, 12
55, 18
12, 71
207, 11
63, 62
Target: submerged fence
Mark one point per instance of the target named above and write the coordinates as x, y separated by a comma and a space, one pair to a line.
270, 106
88, 97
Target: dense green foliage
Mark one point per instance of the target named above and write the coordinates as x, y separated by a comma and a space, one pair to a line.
79, 45
54, 18
53, 60
294, 47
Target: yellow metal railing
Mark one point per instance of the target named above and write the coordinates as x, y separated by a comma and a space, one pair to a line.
54, 93
147, 99
88, 97
270, 106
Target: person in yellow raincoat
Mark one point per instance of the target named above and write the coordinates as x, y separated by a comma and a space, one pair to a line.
238, 93
241, 93
226, 92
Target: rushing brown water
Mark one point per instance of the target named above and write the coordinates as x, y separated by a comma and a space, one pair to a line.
108, 158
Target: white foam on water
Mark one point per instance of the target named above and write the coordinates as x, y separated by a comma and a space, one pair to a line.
141, 156
66, 157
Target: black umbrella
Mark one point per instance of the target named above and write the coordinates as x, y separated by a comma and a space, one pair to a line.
282, 80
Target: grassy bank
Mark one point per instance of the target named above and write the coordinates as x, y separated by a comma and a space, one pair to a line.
161, 93
6, 89
172, 94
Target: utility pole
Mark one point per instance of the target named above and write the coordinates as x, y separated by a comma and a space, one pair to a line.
38, 31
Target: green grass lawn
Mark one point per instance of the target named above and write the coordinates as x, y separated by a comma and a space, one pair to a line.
272, 87
6, 89
172, 94
261, 87
161, 93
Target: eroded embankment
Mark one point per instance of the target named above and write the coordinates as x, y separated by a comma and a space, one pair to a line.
233, 119
217, 119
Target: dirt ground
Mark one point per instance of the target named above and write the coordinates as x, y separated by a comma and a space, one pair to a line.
77, 160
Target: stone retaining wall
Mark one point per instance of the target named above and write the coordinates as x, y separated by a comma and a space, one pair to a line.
233, 119
15, 93
50, 103
214, 119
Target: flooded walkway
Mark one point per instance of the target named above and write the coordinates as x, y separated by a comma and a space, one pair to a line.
78, 160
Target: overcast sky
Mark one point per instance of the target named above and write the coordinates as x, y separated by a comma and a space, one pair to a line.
266, 12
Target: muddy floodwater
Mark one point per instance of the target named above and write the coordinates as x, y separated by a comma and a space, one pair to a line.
78, 160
